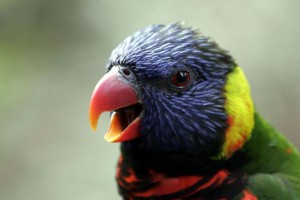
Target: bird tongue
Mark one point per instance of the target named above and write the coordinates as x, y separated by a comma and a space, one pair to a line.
122, 128
128, 114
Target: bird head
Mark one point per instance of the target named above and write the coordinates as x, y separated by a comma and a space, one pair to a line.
173, 90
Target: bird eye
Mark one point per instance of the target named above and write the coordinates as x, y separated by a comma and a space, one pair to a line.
181, 79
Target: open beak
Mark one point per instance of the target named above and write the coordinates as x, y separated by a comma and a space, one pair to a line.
113, 94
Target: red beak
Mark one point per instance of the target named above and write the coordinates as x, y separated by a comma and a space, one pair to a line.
111, 93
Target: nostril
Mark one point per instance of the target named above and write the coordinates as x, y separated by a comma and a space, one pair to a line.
126, 71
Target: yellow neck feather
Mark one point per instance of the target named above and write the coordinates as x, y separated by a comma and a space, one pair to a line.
240, 110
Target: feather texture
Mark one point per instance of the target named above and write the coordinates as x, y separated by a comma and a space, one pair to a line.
204, 140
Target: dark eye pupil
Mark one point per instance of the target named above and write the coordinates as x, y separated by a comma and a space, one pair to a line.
181, 77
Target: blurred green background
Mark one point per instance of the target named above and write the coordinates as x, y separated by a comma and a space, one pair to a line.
52, 53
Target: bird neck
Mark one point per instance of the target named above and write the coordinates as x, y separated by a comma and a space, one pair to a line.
177, 164
177, 176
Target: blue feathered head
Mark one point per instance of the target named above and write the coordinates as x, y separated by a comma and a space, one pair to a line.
178, 77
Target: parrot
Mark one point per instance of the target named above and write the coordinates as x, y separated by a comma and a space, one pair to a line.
182, 111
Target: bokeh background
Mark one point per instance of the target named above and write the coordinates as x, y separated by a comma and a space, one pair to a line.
52, 53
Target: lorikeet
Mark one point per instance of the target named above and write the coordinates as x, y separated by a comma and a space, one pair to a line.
182, 110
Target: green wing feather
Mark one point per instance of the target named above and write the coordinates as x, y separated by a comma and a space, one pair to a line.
274, 164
